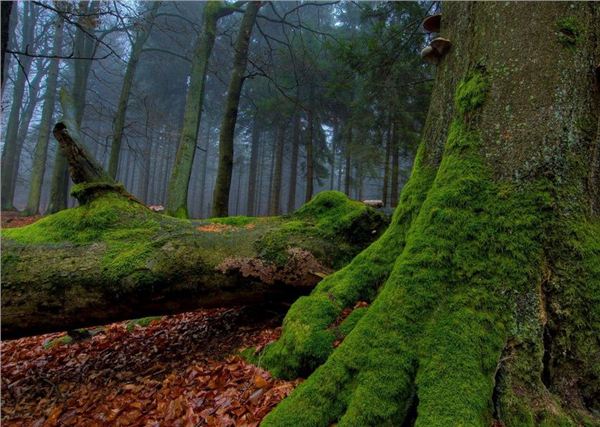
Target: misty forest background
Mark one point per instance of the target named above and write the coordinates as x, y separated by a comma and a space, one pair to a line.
334, 96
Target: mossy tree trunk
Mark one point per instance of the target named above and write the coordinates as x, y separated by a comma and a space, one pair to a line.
177, 193
485, 290
234, 91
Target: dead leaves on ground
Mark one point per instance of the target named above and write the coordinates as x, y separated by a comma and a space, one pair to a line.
178, 371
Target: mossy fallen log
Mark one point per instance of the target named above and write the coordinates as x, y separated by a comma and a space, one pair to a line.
112, 258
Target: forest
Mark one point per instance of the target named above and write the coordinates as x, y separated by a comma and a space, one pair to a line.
300, 213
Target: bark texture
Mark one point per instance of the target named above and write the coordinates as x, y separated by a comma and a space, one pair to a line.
234, 91
485, 290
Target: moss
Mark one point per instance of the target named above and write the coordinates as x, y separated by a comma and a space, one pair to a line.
441, 320
471, 93
143, 322
63, 340
306, 341
331, 226
569, 31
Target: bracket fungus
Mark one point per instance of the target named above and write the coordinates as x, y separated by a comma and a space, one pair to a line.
430, 55
431, 24
441, 45
436, 50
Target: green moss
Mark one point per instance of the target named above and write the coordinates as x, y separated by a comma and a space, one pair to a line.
306, 341
64, 340
569, 31
331, 226
441, 320
471, 93
143, 322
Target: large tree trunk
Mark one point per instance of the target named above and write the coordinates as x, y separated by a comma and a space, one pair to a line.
179, 181
485, 290
40, 153
136, 52
10, 151
234, 91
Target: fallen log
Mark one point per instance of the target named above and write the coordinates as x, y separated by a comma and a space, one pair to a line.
112, 258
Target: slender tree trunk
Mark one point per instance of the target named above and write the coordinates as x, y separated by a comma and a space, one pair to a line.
310, 165
484, 291
119, 121
348, 177
234, 91
252, 173
386, 168
334, 140
395, 164
186, 151
10, 150
275, 207
24, 121
40, 153
271, 172
294, 164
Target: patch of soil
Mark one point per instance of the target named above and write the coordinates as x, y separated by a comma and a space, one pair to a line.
180, 370
11, 219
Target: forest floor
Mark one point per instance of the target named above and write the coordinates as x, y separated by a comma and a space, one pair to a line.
180, 370
12, 219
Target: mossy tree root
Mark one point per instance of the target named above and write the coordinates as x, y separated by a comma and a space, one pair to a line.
441, 344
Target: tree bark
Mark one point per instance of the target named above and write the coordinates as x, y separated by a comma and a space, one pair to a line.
484, 291
119, 121
11, 143
40, 153
294, 164
234, 91
182, 168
